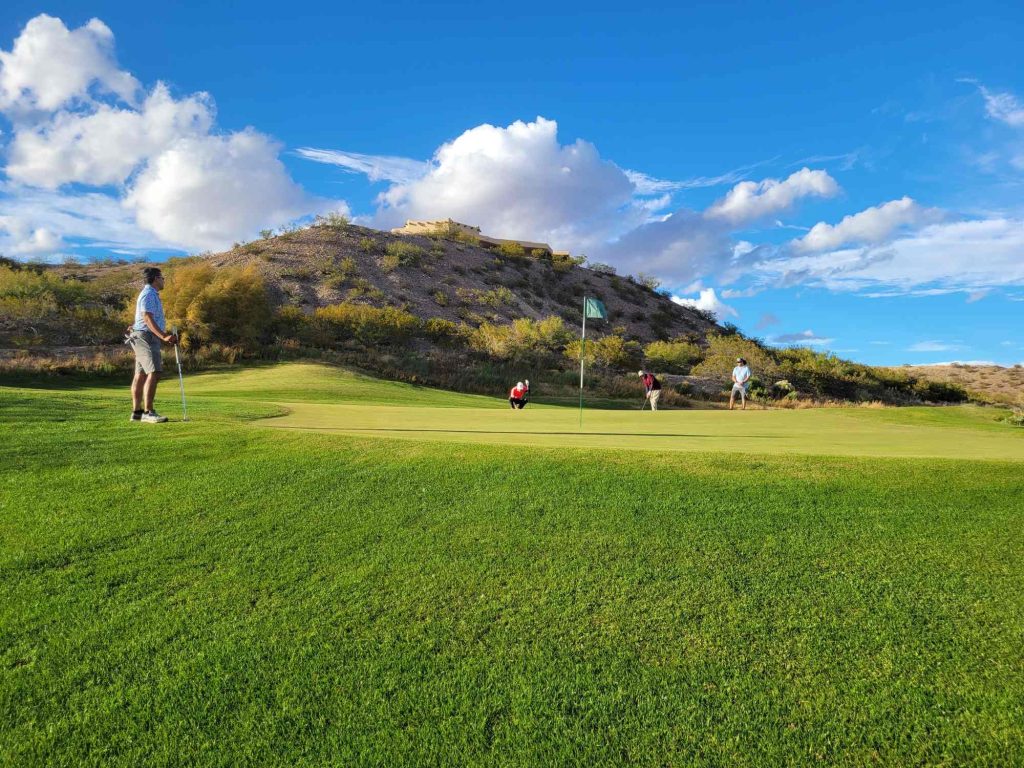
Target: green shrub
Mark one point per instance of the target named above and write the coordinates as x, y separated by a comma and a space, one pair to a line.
672, 356
368, 245
601, 269
332, 220
512, 250
497, 297
440, 298
364, 323
720, 358
521, 339
440, 329
611, 351
401, 254
229, 305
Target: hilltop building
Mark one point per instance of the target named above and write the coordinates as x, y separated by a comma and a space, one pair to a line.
450, 227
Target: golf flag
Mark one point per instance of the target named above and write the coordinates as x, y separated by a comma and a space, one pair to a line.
593, 309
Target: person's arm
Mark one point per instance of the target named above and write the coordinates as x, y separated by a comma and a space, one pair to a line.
157, 331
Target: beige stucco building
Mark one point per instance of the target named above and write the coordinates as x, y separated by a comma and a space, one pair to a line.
450, 227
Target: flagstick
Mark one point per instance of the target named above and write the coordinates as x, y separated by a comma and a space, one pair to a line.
583, 351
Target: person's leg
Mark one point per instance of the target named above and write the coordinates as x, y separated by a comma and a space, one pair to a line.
512, 403
732, 397
149, 390
655, 396
138, 383
743, 398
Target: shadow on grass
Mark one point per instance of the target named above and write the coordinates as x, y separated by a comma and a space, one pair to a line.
520, 432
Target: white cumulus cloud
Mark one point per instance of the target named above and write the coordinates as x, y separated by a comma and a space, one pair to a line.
203, 191
80, 121
872, 225
518, 181
51, 65
708, 301
105, 146
938, 258
752, 200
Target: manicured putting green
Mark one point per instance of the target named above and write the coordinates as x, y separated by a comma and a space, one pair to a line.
328, 399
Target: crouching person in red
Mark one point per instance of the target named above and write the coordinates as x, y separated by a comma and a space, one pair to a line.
517, 398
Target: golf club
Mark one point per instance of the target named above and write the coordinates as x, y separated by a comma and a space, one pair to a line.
181, 380
645, 403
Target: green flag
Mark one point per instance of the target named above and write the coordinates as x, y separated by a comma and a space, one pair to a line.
594, 308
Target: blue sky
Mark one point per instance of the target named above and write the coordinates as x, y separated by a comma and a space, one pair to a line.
847, 176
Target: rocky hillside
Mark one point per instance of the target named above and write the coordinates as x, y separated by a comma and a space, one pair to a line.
455, 280
430, 277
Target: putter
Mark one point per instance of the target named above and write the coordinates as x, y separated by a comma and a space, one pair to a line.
181, 379
645, 403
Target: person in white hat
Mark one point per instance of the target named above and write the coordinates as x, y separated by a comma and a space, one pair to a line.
518, 396
740, 377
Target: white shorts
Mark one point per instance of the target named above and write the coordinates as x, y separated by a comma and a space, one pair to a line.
739, 389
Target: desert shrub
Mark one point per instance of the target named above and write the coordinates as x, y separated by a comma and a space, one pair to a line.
332, 220
512, 250
366, 324
461, 236
601, 269
266, 234
672, 356
364, 289
722, 351
440, 298
1015, 417
440, 329
540, 253
368, 245
650, 282
400, 254
290, 322
521, 339
563, 262
228, 305
611, 351
337, 275
496, 297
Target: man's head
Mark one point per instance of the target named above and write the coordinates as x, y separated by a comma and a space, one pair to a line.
154, 277
741, 361
519, 385
639, 373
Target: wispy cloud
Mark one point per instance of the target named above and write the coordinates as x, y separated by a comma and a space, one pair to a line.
767, 320
808, 337
934, 346
401, 170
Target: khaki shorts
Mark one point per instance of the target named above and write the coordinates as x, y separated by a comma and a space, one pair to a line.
739, 389
148, 356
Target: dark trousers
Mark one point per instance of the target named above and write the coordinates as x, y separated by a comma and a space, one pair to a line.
517, 402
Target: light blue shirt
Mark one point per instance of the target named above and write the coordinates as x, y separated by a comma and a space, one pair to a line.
149, 301
740, 374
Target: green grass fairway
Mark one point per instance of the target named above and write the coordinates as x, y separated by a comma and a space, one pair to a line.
224, 593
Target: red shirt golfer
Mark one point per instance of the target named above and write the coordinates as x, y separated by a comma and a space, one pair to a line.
517, 397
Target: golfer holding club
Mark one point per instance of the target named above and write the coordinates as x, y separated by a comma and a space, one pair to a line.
144, 338
740, 377
652, 388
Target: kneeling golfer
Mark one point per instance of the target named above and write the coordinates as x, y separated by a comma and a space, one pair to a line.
652, 388
144, 337
517, 398
740, 377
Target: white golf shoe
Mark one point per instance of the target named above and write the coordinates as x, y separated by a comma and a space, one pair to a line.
152, 417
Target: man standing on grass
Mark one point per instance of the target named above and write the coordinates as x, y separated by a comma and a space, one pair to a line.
144, 337
517, 397
740, 377
652, 388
